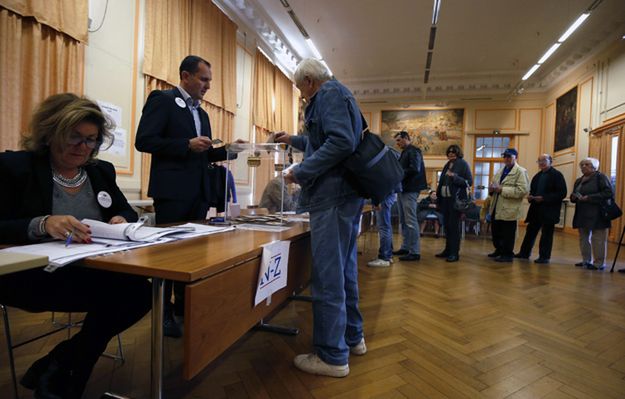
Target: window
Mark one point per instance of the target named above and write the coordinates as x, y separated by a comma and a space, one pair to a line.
487, 161
614, 161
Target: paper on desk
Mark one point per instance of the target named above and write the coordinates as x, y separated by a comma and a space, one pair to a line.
60, 255
200, 230
262, 227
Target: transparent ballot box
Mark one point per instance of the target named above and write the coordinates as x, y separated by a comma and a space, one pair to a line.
261, 195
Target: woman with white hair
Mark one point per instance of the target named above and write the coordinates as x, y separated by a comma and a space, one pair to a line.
589, 193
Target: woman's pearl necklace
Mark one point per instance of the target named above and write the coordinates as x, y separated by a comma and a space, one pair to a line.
72, 182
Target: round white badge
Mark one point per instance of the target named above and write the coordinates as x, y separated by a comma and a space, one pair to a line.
181, 102
104, 199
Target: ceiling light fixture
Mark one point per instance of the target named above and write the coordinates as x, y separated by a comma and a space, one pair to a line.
574, 27
313, 48
578, 22
435, 11
530, 72
325, 64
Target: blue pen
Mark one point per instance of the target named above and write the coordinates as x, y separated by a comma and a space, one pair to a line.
68, 240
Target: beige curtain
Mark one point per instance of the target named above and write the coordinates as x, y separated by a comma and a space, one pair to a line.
262, 110
35, 62
65, 16
177, 28
284, 103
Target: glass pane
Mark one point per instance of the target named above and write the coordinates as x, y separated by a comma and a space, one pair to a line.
484, 181
498, 142
506, 142
478, 168
497, 166
479, 153
613, 161
479, 142
488, 152
486, 168
480, 194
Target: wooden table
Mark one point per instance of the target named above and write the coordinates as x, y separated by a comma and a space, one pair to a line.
222, 274
11, 262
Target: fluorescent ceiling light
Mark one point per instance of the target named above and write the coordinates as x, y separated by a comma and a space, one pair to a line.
435, 11
574, 26
313, 48
551, 50
530, 72
325, 64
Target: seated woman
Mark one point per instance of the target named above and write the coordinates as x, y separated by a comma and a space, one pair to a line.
47, 190
429, 210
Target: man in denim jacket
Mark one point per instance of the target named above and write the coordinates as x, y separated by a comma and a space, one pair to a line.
333, 128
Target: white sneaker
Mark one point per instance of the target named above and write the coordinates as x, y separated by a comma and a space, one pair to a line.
360, 348
379, 263
312, 364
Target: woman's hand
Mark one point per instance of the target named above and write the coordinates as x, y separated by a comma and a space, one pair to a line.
61, 226
117, 220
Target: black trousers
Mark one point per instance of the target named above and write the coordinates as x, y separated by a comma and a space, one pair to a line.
451, 220
113, 302
546, 239
176, 211
504, 234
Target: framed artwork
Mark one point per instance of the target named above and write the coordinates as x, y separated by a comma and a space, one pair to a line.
566, 113
432, 130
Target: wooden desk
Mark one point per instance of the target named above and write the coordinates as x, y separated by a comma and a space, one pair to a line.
222, 272
11, 262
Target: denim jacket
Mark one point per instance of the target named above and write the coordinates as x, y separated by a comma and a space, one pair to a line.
332, 132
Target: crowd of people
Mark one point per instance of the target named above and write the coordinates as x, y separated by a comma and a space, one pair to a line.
57, 181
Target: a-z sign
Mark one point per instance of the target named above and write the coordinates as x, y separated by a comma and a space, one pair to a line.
273, 269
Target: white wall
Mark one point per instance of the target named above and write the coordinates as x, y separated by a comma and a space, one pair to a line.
111, 76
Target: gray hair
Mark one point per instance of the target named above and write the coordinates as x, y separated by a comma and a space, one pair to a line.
593, 161
313, 69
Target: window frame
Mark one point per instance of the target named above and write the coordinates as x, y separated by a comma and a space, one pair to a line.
491, 161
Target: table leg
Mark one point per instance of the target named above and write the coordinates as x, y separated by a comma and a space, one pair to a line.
157, 338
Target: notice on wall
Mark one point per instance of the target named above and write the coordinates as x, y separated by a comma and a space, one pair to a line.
112, 111
273, 270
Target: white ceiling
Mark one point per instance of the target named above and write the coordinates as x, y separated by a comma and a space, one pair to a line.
482, 48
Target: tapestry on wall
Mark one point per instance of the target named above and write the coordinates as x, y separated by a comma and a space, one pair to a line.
566, 114
432, 130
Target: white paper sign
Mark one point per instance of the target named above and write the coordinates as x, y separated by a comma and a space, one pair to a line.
273, 269
113, 111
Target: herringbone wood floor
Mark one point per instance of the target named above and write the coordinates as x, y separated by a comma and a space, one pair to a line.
472, 329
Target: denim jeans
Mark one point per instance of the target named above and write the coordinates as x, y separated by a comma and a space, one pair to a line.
385, 230
337, 322
409, 224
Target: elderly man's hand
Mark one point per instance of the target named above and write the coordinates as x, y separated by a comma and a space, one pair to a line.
282, 137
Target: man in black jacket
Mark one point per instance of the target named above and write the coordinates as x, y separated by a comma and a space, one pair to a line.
177, 132
547, 190
414, 181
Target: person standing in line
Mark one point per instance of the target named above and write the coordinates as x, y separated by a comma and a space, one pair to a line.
547, 190
455, 179
414, 181
333, 127
589, 192
385, 228
177, 132
510, 184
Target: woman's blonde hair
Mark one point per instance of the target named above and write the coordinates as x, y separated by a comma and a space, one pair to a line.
54, 120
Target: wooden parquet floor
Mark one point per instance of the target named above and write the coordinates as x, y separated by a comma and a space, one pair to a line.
471, 329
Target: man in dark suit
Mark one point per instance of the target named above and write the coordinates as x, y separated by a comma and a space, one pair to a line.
547, 190
177, 132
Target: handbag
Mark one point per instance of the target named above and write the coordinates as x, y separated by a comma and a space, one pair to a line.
609, 209
463, 204
373, 168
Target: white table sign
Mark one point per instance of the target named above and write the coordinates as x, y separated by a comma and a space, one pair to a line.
273, 269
